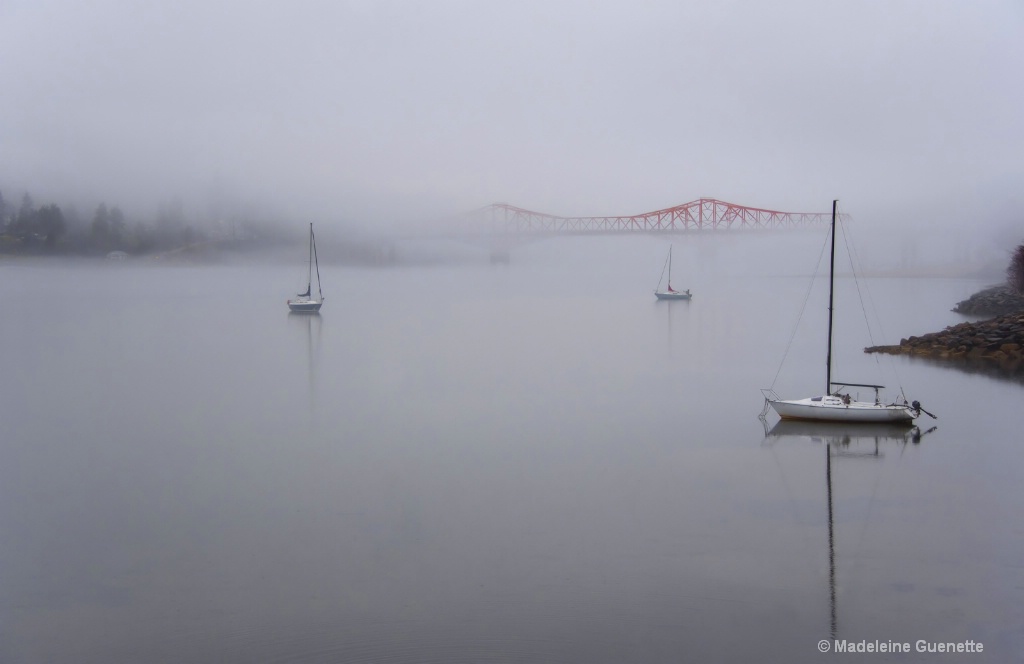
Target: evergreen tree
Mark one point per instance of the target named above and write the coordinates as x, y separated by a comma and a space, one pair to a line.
26, 215
49, 221
1015, 273
117, 227
99, 234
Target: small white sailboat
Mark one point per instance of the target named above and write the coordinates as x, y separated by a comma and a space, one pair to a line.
833, 405
670, 293
305, 302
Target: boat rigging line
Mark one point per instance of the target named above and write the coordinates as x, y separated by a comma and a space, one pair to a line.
800, 316
851, 252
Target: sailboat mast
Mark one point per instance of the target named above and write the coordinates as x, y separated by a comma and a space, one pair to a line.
670, 267
831, 283
309, 275
316, 262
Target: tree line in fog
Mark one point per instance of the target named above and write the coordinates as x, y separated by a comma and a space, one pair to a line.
28, 228
43, 230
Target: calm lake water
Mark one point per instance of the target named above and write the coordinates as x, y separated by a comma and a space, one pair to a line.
534, 462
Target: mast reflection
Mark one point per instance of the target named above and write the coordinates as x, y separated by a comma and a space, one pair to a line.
841, 440
309, 323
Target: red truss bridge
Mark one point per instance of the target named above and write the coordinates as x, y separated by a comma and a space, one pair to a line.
704, 214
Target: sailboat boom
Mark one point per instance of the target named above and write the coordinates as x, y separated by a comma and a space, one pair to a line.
842, 384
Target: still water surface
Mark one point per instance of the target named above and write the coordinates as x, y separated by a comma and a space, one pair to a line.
535, 462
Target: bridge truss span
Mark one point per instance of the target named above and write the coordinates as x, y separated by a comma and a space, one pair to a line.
704, 214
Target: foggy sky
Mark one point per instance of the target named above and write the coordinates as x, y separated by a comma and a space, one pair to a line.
372, 110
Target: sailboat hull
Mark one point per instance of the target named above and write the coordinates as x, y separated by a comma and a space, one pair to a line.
674, 295
834, 409
305, 306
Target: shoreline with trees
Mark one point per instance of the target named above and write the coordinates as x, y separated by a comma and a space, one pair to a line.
28, 230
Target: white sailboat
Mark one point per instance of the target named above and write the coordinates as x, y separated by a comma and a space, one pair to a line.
305, 302
833, 405
670, 293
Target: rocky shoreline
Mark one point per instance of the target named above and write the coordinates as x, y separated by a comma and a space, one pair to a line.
994, 301
997, 343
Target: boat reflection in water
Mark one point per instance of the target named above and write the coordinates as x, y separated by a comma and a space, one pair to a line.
843, 435
309, 324
842, 440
